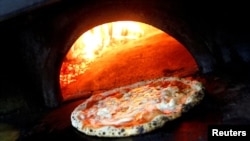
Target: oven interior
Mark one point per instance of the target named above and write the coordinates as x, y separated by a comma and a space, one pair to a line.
209, 45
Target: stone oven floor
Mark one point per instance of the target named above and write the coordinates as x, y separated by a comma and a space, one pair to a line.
226, 102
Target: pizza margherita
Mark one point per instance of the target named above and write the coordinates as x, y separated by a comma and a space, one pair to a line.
137, 108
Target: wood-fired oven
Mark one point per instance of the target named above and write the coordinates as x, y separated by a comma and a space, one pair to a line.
212, 44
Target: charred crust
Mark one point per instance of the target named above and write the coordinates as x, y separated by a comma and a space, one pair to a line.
164, 118
199, 96
154, 123
90, 130
122, 130
186, 107
140, 129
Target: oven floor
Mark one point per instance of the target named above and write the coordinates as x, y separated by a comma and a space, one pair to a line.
226, 102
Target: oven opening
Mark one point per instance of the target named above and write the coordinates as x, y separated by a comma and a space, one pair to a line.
119, 53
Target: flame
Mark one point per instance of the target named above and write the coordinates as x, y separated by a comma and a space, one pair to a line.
93, 43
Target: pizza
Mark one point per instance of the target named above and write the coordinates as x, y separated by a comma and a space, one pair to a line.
137, 108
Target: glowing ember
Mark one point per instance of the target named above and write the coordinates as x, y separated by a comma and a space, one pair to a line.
93, 43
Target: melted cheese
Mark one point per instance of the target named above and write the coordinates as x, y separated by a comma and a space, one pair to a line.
164, 106
104, 112
140, 100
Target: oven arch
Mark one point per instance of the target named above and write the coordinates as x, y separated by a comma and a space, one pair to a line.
72, 23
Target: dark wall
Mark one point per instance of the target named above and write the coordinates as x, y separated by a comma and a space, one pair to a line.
224, 29
34, 43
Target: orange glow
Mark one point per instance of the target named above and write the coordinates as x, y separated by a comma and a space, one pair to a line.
93, 43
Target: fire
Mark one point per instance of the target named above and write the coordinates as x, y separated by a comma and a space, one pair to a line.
93, 43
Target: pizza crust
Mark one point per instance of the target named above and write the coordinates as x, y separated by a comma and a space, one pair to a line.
194, 95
